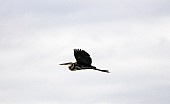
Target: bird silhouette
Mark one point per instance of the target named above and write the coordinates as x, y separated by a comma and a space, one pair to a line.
83, 61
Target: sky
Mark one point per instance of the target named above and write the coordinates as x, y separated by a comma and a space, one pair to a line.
130, 38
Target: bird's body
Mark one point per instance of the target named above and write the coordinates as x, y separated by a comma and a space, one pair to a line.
84, 61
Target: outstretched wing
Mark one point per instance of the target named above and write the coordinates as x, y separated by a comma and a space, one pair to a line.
82, 57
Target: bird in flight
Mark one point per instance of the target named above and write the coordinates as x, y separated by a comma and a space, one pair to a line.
83, 61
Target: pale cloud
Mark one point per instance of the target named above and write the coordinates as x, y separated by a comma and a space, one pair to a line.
130, 38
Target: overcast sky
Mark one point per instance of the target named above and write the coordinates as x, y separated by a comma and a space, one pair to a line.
130, 38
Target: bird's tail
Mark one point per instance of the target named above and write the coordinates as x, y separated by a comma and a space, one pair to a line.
107, 71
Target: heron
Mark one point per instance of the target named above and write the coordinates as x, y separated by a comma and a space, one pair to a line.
83, 61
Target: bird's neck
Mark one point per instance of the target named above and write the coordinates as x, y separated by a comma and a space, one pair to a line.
72, 67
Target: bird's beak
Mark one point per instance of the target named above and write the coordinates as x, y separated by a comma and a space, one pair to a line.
65, 63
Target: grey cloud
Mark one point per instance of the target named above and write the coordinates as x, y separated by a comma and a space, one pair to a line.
129, 38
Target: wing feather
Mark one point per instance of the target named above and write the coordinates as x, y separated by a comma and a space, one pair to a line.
82, 57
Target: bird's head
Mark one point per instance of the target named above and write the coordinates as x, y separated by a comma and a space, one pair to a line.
71, 65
